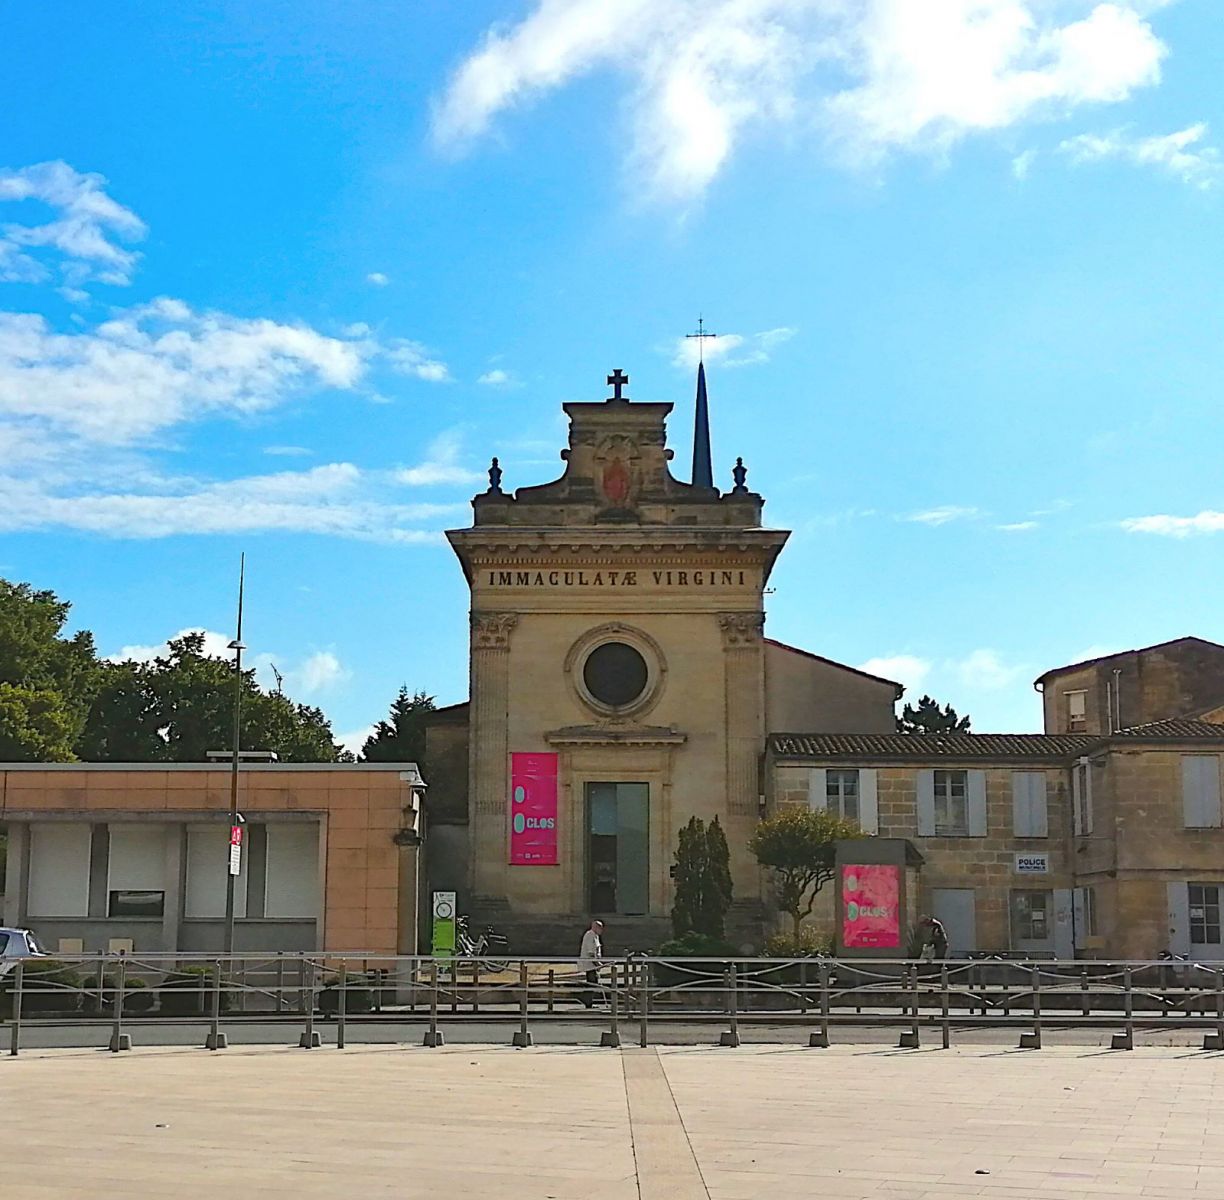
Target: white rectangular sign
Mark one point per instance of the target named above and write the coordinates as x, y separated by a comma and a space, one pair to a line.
1032, 864
235, 850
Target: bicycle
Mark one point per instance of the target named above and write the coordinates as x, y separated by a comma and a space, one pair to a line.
489, 941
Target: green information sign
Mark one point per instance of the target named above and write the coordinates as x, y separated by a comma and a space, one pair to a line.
443, 940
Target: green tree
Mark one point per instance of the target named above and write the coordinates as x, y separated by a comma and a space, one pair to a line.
927, 717
702, 880
798, 846
35, 725
402, 737
716, 895
34, 655
690, 867
181, 705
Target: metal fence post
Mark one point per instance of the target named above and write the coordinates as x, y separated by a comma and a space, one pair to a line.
1085, 1003
522, 1039
1215, 1041
216, 1040
280, 981
310, 1039
552, 981
820, 1039
945, 1021
1032, 1041
120, 1040
15, 1031
803, 996
1126, 1040
643, 1002
433, 1036
909, 1039
342, 1004
610, 1036
731, 1036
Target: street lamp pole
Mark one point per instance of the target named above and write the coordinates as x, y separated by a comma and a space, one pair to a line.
230, 874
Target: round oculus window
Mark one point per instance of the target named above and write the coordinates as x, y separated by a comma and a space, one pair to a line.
615, 674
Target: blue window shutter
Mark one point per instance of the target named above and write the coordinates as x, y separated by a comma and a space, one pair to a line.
926, 803
817, 796
869, 813
977, 803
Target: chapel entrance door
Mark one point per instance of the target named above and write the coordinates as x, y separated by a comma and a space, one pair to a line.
618, 845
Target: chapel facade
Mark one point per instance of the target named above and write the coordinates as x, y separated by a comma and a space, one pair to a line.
621, 683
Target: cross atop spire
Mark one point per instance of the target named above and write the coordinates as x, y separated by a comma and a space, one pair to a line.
701, 336
618, 379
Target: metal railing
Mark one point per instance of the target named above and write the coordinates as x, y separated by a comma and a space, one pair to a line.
128, 996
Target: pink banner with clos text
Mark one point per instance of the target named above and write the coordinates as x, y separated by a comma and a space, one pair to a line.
871, 898
533, 810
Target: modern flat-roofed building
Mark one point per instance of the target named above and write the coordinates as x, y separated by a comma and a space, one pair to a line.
135, 856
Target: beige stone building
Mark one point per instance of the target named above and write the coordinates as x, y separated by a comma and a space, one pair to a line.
1091, 844
620, 684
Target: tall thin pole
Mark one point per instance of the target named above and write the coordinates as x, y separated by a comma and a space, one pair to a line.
237, 647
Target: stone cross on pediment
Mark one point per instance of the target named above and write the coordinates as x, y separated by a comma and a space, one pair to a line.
619, 380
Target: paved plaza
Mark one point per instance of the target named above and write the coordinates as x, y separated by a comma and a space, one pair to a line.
570, 1123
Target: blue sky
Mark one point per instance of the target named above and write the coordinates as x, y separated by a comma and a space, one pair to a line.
281, 277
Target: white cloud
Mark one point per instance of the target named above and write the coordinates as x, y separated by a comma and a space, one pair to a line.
1182, 154
876, 75
215, 646
318, 672
336, 499
354, 741
942, 515
497, 378
82, 234
985, 670
1022, 164
1018, 526
321, 671
441, 465
1164, 525
411, 358
903, 668
731, 349
288, 451
377, 278
158, 365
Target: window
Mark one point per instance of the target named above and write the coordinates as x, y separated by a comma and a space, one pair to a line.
1031, 915
842, 793
1029, 816
1204, 914
1077, 711
615, 674
951, 804
136, 904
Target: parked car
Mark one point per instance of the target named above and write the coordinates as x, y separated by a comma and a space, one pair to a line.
15, 944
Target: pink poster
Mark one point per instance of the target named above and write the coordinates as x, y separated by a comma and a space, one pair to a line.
871, 897
533, 810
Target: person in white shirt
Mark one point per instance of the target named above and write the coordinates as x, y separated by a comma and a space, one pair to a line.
590, 957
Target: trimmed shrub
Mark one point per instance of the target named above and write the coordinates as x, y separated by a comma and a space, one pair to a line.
187, 992
358, 994
48, 986
809, 944
691, 945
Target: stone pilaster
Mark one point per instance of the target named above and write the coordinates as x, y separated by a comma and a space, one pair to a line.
488, 749
744, 681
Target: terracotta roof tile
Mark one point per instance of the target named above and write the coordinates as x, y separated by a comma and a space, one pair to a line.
912, 747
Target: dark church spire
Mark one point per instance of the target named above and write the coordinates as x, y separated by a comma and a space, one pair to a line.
703, 472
